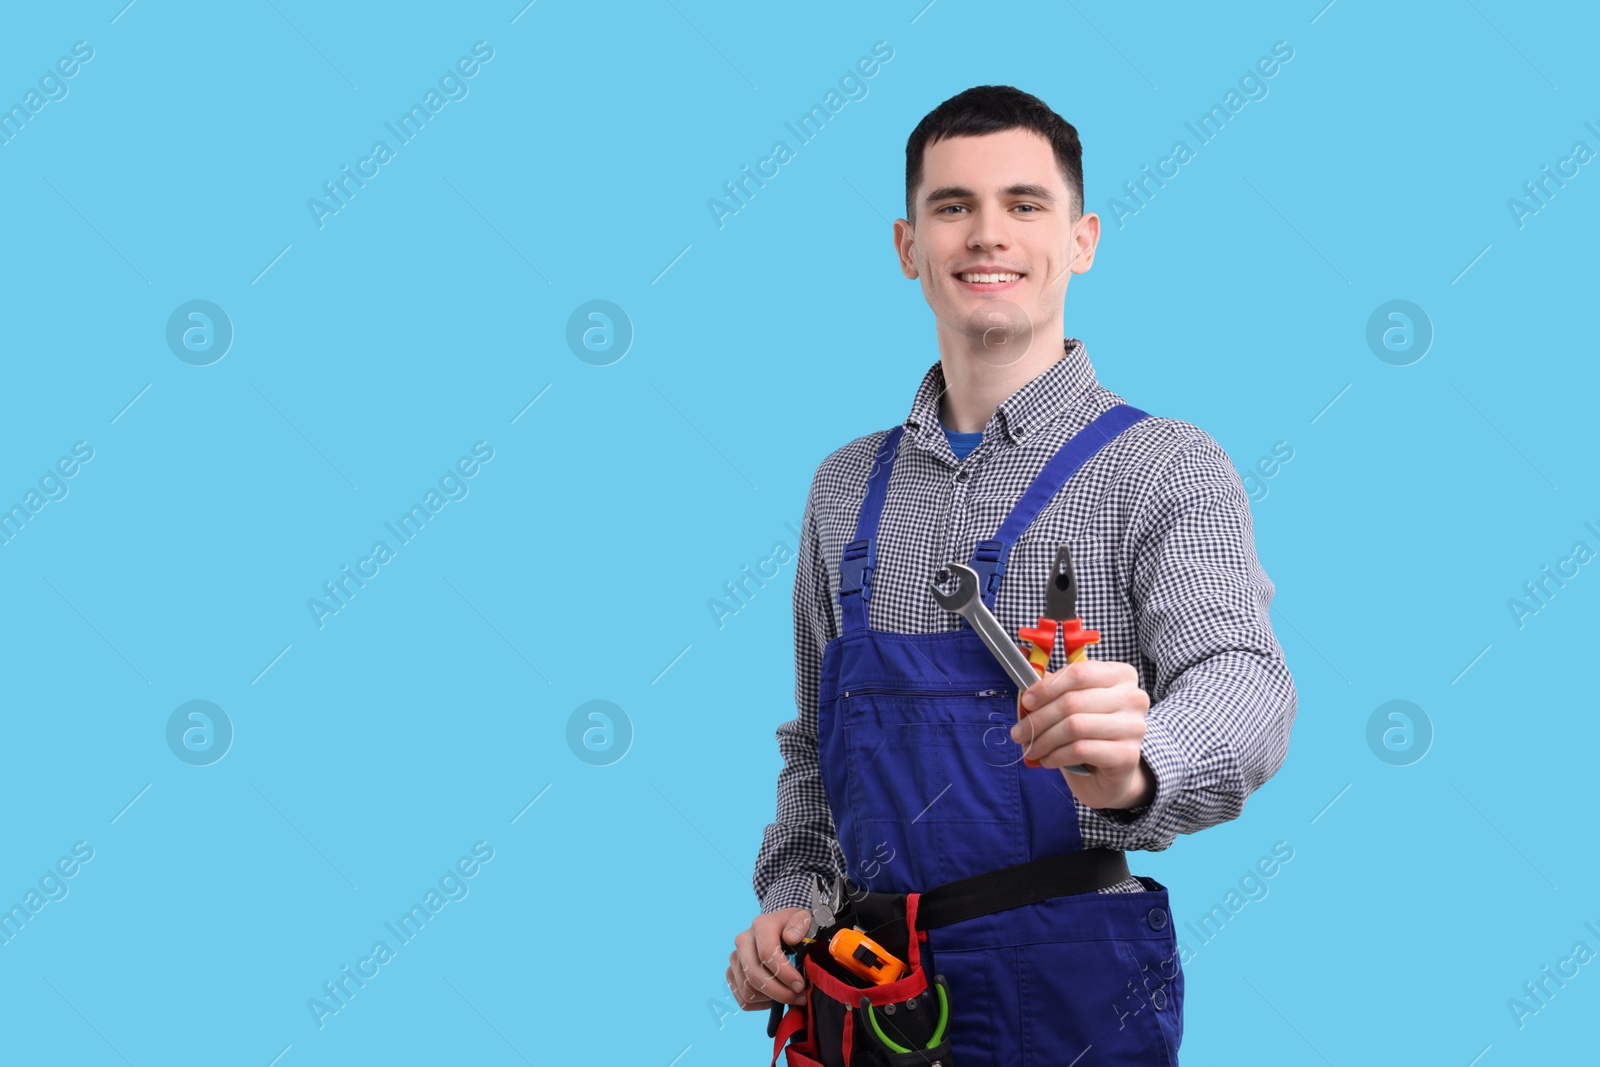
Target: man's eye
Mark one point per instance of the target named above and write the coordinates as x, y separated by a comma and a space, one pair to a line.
952, 207
1030, 207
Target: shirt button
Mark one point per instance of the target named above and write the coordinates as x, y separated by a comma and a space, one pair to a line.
942, 577
1157, 919
961, 476
1159, 999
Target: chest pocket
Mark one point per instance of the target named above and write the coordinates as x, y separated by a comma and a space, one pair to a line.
939, 774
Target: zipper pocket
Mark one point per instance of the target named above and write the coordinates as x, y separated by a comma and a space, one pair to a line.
848, 693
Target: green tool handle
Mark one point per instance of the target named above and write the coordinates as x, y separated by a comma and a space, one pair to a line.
938, 1033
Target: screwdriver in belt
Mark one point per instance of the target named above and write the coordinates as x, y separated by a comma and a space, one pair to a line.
1060, 610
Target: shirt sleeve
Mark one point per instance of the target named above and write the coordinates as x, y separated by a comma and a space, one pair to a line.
802, 843
1222, 701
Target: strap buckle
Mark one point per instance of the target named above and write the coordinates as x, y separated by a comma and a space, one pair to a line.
987, 561
855, 569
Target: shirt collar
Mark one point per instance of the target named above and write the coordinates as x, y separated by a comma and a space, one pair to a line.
1025, 411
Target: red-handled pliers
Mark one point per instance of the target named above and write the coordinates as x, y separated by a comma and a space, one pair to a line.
1060, 610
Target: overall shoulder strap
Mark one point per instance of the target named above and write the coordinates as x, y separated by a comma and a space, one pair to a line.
989, 557
861, 555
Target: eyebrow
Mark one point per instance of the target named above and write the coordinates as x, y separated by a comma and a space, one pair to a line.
961, 192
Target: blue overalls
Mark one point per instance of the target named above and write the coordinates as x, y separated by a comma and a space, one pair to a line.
926, 786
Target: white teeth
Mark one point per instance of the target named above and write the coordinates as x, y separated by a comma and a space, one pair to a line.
980, 278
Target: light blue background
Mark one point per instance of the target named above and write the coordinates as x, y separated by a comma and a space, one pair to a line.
428, 313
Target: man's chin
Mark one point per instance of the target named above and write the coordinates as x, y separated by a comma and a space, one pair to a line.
998, 331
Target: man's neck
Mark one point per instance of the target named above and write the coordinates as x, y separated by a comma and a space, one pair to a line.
978, 380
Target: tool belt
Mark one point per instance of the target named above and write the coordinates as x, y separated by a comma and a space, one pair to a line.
849, 1022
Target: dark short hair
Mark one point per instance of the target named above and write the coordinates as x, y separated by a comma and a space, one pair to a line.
990, 109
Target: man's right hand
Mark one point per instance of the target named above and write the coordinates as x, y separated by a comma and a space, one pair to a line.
759, 972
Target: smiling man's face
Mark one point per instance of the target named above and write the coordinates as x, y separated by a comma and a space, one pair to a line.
994, 222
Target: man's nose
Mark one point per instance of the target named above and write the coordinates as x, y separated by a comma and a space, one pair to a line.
988, 230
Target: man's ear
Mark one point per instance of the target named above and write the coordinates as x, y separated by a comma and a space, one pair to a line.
1085, 239
905, 240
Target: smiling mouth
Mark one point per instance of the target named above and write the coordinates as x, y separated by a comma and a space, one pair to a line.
1003, 278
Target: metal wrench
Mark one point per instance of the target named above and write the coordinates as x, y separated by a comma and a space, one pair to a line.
966, 602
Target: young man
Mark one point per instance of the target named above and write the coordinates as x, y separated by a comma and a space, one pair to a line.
900, 772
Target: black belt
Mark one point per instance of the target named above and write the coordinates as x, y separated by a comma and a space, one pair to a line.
1024, 883
1061, 875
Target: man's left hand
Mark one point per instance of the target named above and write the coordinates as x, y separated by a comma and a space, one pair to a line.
1092, 712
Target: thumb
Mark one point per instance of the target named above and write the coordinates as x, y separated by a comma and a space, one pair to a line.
797, 926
